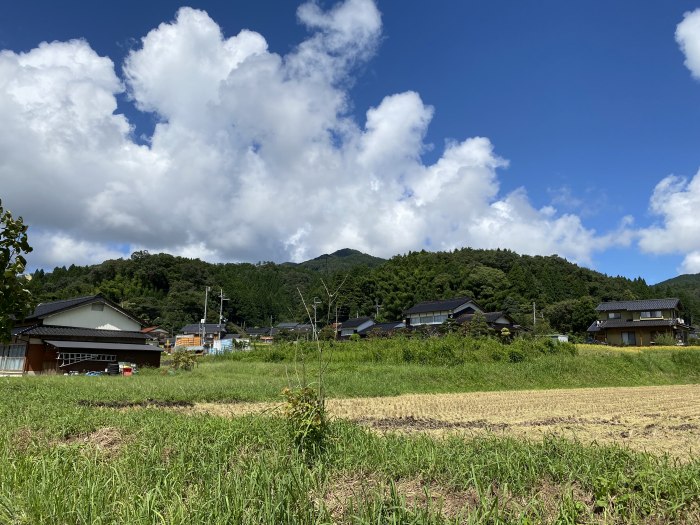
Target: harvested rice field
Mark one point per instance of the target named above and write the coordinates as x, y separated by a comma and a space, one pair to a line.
656, 419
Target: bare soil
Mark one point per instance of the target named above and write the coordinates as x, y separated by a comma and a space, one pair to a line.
659, 419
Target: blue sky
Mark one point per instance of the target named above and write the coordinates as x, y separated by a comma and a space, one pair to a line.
583, 109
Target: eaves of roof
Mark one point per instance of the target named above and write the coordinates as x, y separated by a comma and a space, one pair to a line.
597, 326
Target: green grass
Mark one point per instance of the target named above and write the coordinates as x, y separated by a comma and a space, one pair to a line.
173, 468
372, 369
162, 466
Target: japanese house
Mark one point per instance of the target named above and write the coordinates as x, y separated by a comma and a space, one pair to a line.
640, 323
81, 334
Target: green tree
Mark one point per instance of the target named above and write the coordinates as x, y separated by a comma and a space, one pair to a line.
15, 299
478, 327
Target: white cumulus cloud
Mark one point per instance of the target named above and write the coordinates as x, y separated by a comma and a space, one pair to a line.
255, 155
676, 200
688, 38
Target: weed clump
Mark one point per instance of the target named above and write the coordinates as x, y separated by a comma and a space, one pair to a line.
307, 420
184, 360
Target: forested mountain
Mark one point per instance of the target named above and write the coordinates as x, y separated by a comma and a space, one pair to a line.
169, 291
686, 288
342, 260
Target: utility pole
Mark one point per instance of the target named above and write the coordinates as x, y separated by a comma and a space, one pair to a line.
335, 328
221, 306
206, 299
534, 315
377, 306
317, 301
202, 327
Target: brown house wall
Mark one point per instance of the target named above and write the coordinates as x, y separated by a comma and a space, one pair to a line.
44, 359
35, 359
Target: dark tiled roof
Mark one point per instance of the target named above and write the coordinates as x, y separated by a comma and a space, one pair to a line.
286, 326
437, 306
70, 331
209, 328
257, 331
354, 323
383, 327
638, 306
597, 326
45, 309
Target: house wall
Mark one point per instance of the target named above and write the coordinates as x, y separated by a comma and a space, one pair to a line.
624, 315
643, 336
440, 316
637, 316
86, 317
35, 358
140, 358
665, 314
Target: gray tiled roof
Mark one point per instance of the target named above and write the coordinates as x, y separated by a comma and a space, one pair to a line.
354, 323
70, 331
45, 309
383, 327
287, 325
437, 306
258, 331
638, 306
209, 328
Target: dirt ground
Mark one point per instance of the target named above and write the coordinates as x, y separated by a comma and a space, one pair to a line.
663, 419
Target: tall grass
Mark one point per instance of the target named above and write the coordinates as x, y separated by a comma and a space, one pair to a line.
375, 368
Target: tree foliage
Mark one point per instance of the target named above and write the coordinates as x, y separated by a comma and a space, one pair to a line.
169, 291
15, 299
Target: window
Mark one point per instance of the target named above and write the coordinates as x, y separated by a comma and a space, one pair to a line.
613, 315
628, 338
12, 357
652, 314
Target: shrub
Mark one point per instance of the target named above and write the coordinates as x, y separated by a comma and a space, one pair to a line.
274, 356
516, 355
665, 339
184, 360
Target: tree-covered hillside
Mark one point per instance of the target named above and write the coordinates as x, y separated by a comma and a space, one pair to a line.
686, 288
169, 291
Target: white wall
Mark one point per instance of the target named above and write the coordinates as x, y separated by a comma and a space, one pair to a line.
85, 317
